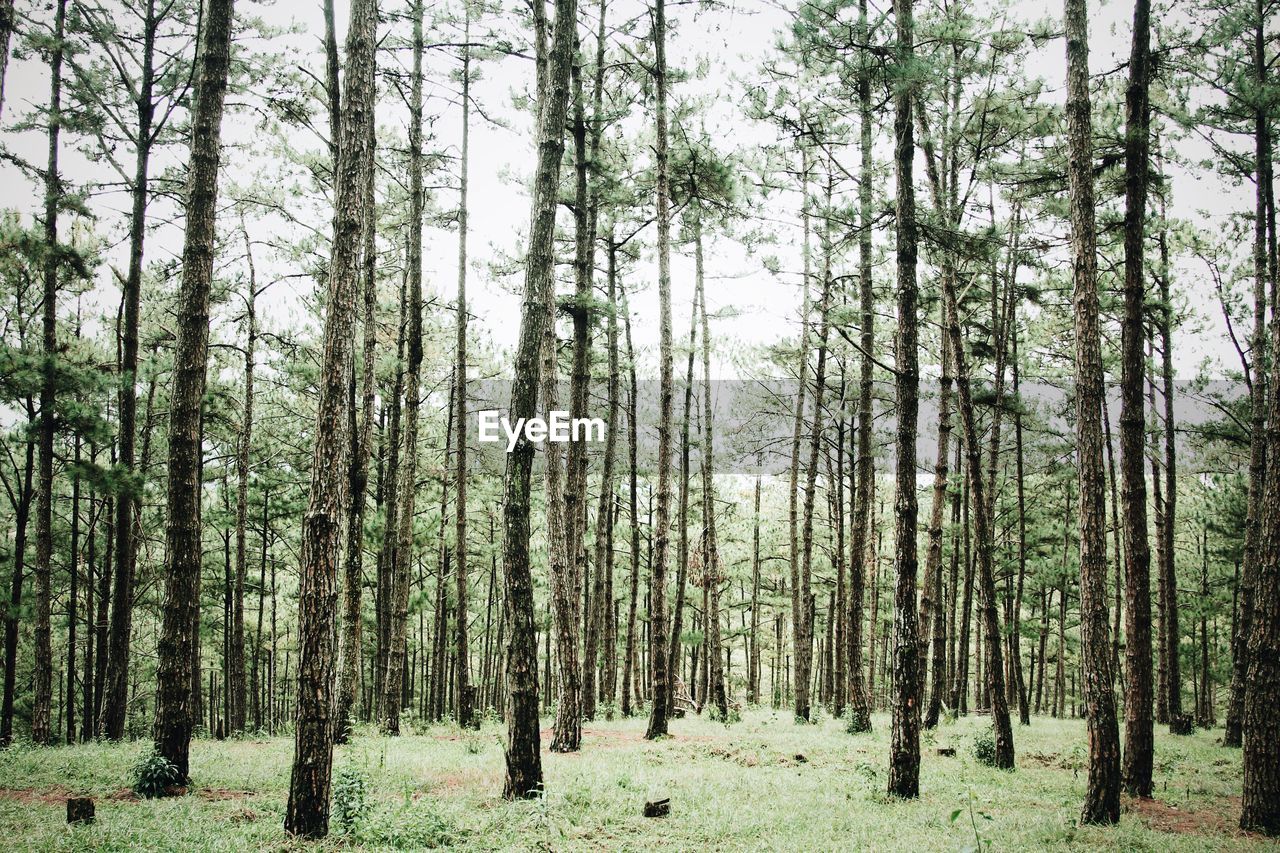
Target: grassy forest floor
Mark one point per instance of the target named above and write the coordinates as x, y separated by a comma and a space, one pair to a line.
760, 784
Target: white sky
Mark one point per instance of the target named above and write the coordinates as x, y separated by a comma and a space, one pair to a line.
733, 40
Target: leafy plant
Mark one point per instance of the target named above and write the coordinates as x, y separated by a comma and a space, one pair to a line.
350, 798
979, 841
154, 775
984, 748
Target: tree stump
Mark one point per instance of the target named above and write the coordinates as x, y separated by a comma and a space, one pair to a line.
947, 751
1180, 725
658, 808
79, 810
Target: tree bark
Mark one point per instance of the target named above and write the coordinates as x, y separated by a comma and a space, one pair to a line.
41, 733
859, 706
904, 756
462, 686
524, 762
660, 709
1258, 447
307, 814
174, 715
1102, 798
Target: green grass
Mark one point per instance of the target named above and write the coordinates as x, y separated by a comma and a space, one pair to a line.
739, 787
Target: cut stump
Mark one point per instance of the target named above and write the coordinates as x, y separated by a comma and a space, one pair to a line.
658, 808
79, 810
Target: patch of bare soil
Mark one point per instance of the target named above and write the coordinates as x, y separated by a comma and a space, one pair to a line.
58, 796
1221, 818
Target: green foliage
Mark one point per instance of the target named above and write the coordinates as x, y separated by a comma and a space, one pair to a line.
350, 798
154, 775
984, 748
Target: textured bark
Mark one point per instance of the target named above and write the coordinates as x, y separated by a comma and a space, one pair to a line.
982, 532
462, 664
397, 603
931, 600
565, 600
1260, 808
307, 814
586, 150
386, 557
1256, 484
801, 641
682, 523
174, 713
361, 438
1102, 797
859, 706
629, 668
1024, 710
711, 566
236, 662
660, 709
524, 763
128, 507
1178, 723
41, 733
602, 612
21, 518
904, 755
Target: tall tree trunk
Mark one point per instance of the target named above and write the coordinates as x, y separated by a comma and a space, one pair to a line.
713, 580
565, 600
859, 706
1102, 798
904, 756
128, 505
682, 518
386, 557
1258, 446
462, 659
307, 813
1260, 808
801, 643
660, 708
42, 702
174, 718
931, 601
397, 603
524, 762
236, 667
361, 438
1015, 628
629, 669
1178, 722
603, 595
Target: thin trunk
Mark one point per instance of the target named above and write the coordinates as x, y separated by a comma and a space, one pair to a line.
463, 689
660, 708
128, 505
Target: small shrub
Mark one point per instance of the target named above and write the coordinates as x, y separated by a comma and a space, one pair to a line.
350, 798
984, 748
473, 742
154, 775
608, 710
